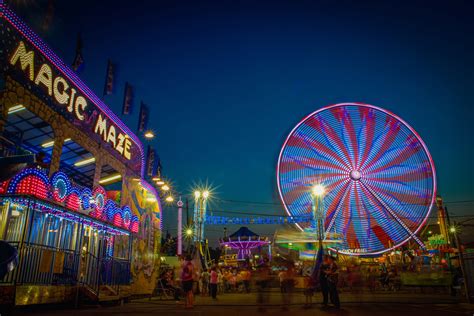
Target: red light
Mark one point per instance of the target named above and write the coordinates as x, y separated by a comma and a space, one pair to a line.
118, 221
73, 202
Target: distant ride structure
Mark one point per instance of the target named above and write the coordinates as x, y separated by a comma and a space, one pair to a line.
244, 240
377, 173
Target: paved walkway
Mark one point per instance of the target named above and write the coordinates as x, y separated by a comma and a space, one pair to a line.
385, 304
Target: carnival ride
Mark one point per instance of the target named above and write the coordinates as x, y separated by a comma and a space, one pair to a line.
378, 176
244, 240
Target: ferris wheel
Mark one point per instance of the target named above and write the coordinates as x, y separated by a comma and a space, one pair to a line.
378, 175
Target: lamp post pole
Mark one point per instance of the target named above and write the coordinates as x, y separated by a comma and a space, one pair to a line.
179, 251
318, 193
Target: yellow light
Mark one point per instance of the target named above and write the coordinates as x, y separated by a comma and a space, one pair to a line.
197, 194
165, 188
160, 182
189, 231
290, 244
84, 162
169, 198
110, 178
16, 108
205, 194
149, 134
318, 190
150, 199
156, 179
452, 229
51, 143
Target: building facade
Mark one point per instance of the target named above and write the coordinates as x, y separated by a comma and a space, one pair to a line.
85, 222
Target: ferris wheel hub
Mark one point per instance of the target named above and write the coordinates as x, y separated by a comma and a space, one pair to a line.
355, 175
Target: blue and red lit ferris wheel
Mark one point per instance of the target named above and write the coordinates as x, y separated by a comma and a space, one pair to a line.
378, 175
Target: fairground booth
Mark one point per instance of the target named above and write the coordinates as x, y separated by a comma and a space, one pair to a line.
73, 201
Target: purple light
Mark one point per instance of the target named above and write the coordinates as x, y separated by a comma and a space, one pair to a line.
244, 246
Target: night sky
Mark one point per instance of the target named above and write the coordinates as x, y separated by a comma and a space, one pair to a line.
228, 80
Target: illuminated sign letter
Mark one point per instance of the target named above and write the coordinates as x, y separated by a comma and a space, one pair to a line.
60, 93
126, 152
121, 139
111, 135
45, 76
101, 127
81, 104
26, 59
71, 101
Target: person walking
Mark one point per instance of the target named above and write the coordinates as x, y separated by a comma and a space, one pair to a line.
214, 280
288, 285
262, 280
187, 280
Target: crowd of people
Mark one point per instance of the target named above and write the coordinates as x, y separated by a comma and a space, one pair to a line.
262, 277
328, 278
191, 281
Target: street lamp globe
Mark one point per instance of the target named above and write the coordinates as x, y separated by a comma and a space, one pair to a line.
149, 134
205, 194
197, 194
318, 190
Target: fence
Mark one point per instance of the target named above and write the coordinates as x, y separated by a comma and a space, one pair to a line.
45, 264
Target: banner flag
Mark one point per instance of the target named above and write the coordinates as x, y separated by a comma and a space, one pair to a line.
78, 62
143, 117
127, 99
150, 161
109, 78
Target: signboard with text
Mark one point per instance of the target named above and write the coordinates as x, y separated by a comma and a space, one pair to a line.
26, 59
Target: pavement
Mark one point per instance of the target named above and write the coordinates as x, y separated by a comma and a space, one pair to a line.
236, 304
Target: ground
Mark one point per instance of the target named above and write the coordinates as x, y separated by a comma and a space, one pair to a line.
385, 304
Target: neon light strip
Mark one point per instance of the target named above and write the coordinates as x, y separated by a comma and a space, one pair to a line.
34, 39
56, 211
16, 108
84, 162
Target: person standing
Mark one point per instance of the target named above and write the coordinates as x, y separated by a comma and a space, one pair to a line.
204, 282
187, 280
246, 276
220, 282
214, 280
332, 279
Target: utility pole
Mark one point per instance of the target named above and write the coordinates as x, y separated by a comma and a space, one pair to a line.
461, 263
187, 212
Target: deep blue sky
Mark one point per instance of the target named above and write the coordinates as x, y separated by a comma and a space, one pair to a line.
227, 80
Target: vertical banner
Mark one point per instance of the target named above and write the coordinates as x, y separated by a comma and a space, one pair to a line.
127, 99
109, 78
150, 161
156, 171
78, 62
143, 117
48, 18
